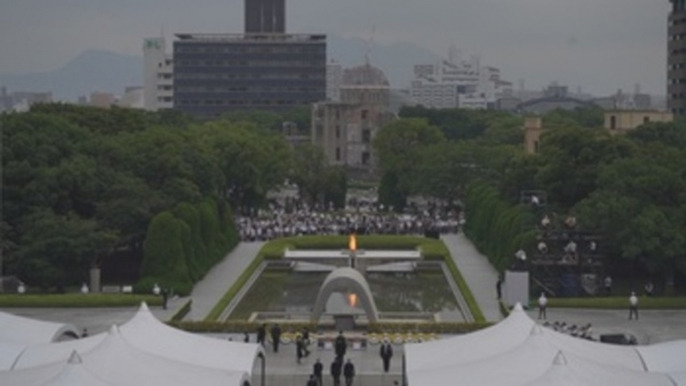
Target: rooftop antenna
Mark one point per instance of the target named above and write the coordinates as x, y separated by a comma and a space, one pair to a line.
370, 46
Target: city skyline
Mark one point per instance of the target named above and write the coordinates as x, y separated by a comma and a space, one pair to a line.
600, 47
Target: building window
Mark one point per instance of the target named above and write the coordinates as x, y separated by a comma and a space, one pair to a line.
338, 154
338, 132
366, 136
613, 122
646, 119
365, 158
365, 114
535, 146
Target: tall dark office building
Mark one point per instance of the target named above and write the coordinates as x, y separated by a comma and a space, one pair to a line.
263, 69
214, 74
265, 16
676, 62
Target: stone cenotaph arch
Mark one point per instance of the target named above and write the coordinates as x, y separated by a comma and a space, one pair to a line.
346, 280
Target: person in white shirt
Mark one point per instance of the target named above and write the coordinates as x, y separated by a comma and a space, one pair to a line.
542, 304
633, 306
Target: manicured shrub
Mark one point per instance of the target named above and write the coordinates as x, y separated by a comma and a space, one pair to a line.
497, 228
164, 252
196, 253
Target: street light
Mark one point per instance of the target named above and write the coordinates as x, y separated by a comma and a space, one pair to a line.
21, 289
156, 289
84, 289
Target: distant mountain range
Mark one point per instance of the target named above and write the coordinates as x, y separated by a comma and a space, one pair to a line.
105, 71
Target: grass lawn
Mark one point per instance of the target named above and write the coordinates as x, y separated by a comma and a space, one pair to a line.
644, 303
76, 300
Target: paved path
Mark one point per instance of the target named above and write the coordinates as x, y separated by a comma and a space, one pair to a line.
477, 271
214, 285
283, 370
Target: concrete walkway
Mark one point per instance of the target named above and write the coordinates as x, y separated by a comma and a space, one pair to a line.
214, 285
477, 271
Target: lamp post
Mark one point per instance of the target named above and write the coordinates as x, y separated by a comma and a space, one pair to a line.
21, 289
156, 290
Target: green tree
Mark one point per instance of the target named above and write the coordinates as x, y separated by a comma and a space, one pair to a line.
57, 250
164, 260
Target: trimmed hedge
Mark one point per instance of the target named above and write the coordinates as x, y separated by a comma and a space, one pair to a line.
182, 312
619, 303
401, 327
237, 326
431, 248
76, 300
438, 327
465, 290
497, 228
182, 245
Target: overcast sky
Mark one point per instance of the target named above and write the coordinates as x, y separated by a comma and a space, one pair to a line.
601, 45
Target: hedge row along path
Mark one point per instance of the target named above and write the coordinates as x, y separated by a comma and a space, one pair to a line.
477, 272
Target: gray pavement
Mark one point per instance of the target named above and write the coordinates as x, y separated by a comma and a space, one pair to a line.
283, 369
477, 271
653, 326
214, 285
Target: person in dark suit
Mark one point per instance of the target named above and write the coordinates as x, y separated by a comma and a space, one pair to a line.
261, 334
386, 353
341, 345
336, 367
276, 337
318, 368
349, 372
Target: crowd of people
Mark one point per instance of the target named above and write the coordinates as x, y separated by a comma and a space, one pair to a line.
295, 218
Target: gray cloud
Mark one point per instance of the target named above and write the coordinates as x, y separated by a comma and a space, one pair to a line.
601, 45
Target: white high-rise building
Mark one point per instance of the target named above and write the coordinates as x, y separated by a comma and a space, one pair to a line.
158, 77
334, 77
456, 83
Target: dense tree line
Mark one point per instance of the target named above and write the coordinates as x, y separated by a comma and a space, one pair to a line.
629, 188
81, 185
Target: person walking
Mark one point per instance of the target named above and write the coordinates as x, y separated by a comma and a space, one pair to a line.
499, 288
633, 306
386, 353
318, 368
299, 347
340, 345
349, 372
306, 341
542, 305
276, 337
312, 381
261, 334
336, 367
246, 337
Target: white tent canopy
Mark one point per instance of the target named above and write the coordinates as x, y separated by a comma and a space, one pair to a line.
49, 353
148, 334
518, 352
664, 357
481, 344
114, 362
569, 370
26, 331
